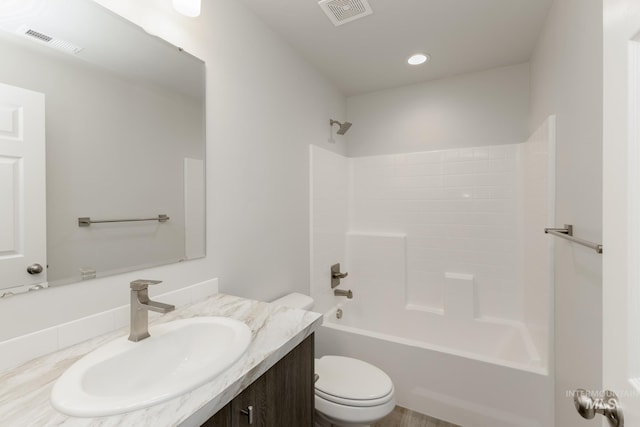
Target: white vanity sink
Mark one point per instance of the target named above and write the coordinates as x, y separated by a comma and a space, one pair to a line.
123, 376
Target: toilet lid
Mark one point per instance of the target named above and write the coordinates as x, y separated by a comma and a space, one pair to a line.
351, 379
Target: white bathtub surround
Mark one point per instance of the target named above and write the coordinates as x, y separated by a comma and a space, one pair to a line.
24, 396
460, 212
16, 351
447, 258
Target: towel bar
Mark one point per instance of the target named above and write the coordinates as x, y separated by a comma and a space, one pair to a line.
567, 233
86, 221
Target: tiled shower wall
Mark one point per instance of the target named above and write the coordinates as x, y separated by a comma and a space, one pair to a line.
460, 211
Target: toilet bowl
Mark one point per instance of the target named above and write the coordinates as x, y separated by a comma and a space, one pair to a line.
348, 392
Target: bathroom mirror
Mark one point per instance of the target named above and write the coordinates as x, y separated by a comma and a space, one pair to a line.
125, 138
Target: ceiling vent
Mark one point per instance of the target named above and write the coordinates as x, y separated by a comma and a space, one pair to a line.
343, 11
48, 40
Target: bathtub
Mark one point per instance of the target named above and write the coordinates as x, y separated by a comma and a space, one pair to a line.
480, 373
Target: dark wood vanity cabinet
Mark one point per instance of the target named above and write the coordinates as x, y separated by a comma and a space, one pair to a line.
281, 397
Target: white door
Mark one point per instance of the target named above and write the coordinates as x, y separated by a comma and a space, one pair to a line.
22, 187
621, 205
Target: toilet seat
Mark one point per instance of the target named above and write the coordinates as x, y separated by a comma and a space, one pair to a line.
364, 403
352, 382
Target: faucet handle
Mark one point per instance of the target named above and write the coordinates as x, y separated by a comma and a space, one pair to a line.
336, 275
142, 284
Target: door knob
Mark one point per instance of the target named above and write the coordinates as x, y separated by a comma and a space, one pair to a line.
609, 406
34, 269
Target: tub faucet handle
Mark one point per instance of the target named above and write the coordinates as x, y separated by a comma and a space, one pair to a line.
336, 275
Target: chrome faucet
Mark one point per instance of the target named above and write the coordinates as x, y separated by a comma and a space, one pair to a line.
341, 293
140, 305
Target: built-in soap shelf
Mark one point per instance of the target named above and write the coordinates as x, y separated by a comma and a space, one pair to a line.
460, 298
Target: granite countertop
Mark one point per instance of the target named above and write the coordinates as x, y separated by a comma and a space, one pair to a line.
25, 391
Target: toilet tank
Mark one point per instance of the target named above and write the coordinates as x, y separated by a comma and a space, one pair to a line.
295, 300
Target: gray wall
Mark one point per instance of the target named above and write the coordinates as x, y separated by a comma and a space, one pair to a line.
470, 110
265, 105
566, 80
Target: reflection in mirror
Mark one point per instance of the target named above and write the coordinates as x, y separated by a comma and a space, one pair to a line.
124, 128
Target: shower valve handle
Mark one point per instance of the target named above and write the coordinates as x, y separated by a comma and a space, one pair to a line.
336, 275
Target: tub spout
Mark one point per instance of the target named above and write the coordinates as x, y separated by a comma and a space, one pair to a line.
341, 293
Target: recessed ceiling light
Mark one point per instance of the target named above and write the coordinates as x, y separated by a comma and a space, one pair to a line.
418, 58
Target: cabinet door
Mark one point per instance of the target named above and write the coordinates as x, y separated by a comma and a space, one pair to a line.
290, 388
222, 418
281, 397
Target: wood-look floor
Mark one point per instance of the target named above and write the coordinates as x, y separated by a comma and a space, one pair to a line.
401, 417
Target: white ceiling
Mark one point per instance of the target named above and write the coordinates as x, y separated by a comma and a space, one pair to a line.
370, 53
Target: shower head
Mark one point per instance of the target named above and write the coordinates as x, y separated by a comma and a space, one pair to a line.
344, 127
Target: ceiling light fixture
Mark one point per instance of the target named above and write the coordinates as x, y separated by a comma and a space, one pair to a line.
190, 8
418, 58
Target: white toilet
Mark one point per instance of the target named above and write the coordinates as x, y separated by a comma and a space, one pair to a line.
348, 392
